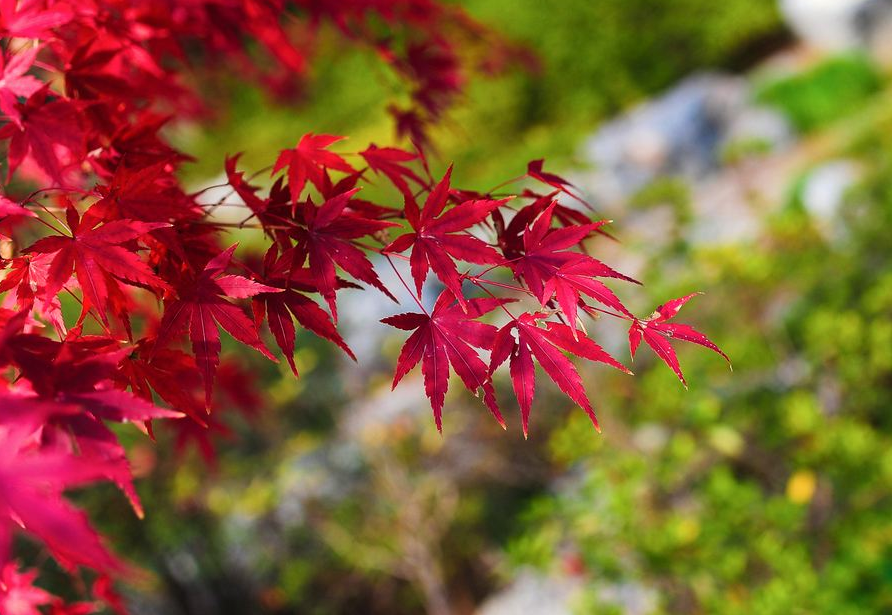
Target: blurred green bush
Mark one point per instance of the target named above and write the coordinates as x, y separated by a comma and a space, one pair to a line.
829, 91
597, 57
767, 491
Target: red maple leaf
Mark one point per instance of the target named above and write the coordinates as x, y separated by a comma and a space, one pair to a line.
326, 240
308, 161
170, 373
15, 83
89, 76
31, 19
279, 309
77, 375
439, 237
24, 283
42, 131
144, 193
390, 161
545, 345
656, 332
18, 594
201, 306
96, 254
32, 482
549, 266
448, 335
536, 172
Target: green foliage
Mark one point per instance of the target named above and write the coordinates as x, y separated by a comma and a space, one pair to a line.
590, 67
827, 92
768, 490
764, 491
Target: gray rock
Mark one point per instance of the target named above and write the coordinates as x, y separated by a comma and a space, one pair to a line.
532, 593
825, 189
682, 133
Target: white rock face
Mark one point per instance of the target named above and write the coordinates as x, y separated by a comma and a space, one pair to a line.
531, 593
825, 24
838, 25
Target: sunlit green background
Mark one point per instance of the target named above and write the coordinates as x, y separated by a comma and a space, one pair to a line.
763, 491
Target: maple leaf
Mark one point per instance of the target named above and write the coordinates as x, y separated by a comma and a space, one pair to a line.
201, 306
9, 208
326, 241
448, 335
15, 83
246, 191
549, 268
308, 161
439, 237
144, 193
536, 172
72, 382
31, 19
43, 129
523, 340
656, 332
84, 74
279, 309
32, 481
170, 373
18, 594
410, 125
97, 256
24, 282
389, 161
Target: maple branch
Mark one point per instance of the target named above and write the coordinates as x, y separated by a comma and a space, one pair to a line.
48, 225
478, 284
406, 286
586, 307
502, 264
380, 251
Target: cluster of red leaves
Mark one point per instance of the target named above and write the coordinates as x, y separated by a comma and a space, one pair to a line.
86, 88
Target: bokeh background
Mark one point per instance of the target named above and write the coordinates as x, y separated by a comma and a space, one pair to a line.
744, 148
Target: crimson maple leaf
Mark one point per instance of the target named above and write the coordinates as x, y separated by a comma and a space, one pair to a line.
656, 332
279, 308
550, 268
326, 239
545, 345
389, 161
170, 373
448, 335
143, 193
201, 306
42, 130
76, 375
96, 254
31, 19
9, 208
25, 282
439, 237
86, 73
536, 172
18, 594
15, 83
32, 482
308, 161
